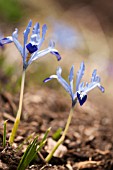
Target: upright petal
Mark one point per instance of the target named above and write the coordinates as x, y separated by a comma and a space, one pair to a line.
16, 42
36, 29
71, 76
44, 29
80, 73
63, 82
59, 71
26, 32
35, 37
80, 89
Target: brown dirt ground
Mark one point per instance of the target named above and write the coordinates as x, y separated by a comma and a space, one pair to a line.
88, 144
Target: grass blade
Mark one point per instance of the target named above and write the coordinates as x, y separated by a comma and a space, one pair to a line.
4, 133
45, 135
29, 155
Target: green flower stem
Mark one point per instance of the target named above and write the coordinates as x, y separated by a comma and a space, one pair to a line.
17, 120
60, 141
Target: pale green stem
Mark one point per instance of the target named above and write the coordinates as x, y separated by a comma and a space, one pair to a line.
17, 120
60, 141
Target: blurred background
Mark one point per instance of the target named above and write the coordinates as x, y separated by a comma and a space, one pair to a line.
82, 31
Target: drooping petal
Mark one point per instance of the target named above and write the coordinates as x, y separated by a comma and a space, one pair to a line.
42, 53
101, 88
80, 73
95, 82
38, 54
16, 42
90, 86
56, 53
50, 78
82, 97
31, 48
6, 40
53, 50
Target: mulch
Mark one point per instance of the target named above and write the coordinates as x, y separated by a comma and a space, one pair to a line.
89, 141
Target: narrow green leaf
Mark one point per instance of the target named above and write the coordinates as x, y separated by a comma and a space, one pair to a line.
29, 155
41, 146
43, 141
24, 142
45, 135
4, 133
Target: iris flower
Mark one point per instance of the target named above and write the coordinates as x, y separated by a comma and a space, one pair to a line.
79, 94
30, 50
81, 89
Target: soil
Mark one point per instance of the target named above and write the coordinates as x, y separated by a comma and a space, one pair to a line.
89, 141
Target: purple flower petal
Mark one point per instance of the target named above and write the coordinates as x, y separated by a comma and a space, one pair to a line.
16, 42
46, 80
36, 29
6, 40
101, 88
79, 75
50, 78
31, 48
54, 52
81, 98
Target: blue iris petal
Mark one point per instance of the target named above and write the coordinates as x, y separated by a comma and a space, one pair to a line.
56, 54
31, 48
81, 99
6, 40
46, 80
80, 74
102, 89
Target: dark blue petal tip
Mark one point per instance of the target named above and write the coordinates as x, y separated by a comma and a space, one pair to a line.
81, 99
5, 41
57, 55
102, 89
31, 48
46, 80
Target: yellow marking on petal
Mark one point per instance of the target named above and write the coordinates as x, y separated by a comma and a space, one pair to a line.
28, 57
